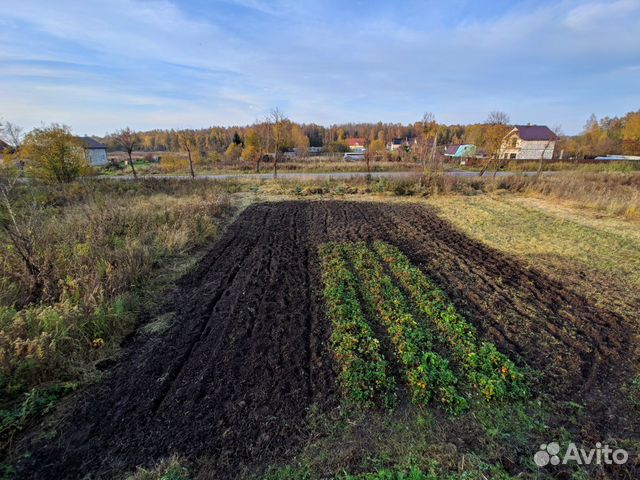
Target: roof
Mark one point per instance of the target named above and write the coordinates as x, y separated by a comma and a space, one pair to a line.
452, 149
535, 132
91, 144
355, 141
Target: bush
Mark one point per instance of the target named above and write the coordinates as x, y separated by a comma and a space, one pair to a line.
54, 154
173, 162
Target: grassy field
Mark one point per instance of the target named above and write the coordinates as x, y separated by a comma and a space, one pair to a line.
179, 166
598, 253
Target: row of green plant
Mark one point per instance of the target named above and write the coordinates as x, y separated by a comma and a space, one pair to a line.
364, 374
428, 374
488, 371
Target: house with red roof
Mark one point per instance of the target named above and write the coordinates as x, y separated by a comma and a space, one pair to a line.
356, 144
529, 142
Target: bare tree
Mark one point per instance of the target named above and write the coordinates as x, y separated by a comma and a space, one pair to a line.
129, 140
498, 117
276, 118
20, 231
427, 148
11, 134
187, 142
263, 131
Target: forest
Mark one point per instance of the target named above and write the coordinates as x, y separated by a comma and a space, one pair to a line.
607, 135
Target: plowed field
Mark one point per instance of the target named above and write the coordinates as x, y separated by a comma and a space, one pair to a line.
247, 353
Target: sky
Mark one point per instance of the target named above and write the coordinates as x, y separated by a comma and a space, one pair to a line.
102, 65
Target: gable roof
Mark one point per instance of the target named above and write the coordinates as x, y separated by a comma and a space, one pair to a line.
535, 132
451, 149
90, 143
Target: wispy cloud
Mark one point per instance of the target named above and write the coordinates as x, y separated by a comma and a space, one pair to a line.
160, 63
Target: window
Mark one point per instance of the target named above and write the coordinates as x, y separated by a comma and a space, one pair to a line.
506, 155
514, 142
512, 156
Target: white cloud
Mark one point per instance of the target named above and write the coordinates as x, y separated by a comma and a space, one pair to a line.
591, 16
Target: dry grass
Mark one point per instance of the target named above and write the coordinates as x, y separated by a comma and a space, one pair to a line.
597, 255
611, 193
169, 469
177, 165
96, 246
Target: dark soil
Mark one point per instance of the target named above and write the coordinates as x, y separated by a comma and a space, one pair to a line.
247, 355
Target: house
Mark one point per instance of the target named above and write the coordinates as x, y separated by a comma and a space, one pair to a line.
356, 144
94, 152
402, 143
394, 144
529, 142
3, 146
460, 151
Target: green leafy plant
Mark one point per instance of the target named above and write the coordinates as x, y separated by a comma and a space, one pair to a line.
428, 374
363, 370
490, 372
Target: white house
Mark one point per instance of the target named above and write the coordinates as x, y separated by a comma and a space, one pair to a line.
529, 142
95, 152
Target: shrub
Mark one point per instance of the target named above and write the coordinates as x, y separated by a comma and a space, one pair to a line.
171, 163
54, 154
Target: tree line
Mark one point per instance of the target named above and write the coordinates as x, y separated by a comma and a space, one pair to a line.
609, 135
54, 152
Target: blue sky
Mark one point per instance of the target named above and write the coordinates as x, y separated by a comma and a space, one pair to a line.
102, 65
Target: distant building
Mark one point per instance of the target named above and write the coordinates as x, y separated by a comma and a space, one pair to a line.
460, 151
529, 142
3, 146
95, 152
404, 143
394, 144
356, 144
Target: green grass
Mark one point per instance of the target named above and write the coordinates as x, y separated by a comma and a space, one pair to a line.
17, 417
